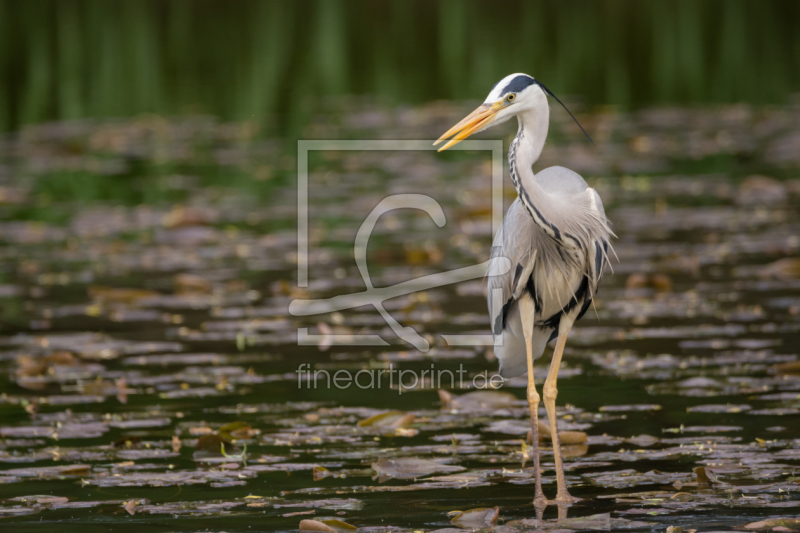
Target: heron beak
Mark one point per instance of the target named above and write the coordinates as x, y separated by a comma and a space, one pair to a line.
475, 121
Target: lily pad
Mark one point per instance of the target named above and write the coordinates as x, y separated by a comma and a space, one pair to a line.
411, 467
480, 517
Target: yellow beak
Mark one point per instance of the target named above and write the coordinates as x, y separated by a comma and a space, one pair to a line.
475, 121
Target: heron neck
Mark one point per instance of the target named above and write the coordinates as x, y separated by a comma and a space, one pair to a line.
531, 135
525, 149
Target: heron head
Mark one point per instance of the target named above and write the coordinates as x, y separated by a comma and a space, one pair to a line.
514, 94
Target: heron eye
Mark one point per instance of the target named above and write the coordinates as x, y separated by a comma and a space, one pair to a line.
511, 97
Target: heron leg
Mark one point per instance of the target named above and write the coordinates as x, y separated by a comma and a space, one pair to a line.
527, 313
550, 393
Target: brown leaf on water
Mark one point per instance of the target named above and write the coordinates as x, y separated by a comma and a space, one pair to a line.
31, 372
337, 524
565, 437
702, 476
130, 507
475, 518
446, 397
192, 284
574, 450
237, 430
775, 524
640, 280
53, 499
182, 216
315, 525
572, 437
792, 368
787, 268
287, 515
483, 399
212, 444
389, 419
28, 372
320, 472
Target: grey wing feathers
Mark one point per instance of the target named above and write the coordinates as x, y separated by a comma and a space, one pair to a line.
561, 181
515, 242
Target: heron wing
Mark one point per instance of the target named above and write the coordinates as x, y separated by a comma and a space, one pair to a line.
514, 241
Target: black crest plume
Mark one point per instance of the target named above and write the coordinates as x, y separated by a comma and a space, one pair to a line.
548, 91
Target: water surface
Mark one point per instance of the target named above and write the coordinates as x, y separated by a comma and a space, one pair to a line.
147, 270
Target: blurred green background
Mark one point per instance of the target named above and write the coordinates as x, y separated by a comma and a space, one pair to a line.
272, 60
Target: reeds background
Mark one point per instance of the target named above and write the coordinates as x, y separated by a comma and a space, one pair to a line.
272, 59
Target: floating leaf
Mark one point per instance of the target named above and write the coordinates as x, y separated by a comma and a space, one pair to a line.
483, 399
130, 507
716, 408
643, 440
51, 499
628, 408
236, 430
789, 368
315, 525
213, 444
285, 515
389, 419
775, 524
481, 517
411, 467
565, 437
702, 475
49, 472
786, 268
337, 525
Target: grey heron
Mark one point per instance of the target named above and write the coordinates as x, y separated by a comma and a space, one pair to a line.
556, 236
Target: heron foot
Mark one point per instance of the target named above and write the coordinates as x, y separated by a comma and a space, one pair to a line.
540, 503
564, 498
540, 500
